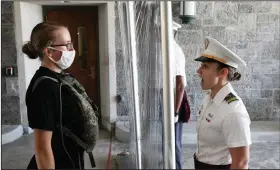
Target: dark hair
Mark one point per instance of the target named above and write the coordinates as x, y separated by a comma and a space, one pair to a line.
41, 37
233, 75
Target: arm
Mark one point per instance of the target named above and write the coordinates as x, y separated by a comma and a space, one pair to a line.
240, 157
236, 129
179, 92
41, 107
43, 149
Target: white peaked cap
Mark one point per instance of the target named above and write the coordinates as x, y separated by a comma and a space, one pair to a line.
214, 50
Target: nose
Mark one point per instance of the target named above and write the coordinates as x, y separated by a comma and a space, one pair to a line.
199, 70
72, 48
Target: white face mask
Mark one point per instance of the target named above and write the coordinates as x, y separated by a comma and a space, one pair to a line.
66, 59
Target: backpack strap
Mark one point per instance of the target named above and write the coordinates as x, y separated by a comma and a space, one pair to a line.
76, 139
42, 78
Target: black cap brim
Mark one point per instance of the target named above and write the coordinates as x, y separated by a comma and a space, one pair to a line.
204, 59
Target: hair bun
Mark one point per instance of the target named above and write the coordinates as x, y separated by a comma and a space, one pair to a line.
29, 50
237, 76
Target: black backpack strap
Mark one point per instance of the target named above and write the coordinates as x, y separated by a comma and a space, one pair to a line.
42, 78
88, 148
91, 158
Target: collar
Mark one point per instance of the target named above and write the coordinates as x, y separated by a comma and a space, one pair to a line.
222, 93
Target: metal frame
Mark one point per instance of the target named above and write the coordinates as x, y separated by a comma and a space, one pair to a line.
132, 41
168, 91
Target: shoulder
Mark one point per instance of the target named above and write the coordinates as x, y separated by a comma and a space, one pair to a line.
178, 50
233, 103
234, 107
179, 54
44, 81
231, 98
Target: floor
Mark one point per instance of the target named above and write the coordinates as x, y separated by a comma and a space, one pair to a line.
262, 155
21, 151
264, 152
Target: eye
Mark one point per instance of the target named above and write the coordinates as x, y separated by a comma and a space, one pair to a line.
204, 66
69, 46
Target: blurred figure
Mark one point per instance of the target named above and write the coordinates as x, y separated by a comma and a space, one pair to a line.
181, 105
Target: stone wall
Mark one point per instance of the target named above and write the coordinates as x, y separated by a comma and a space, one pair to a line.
122, 108
9, 88
251, 30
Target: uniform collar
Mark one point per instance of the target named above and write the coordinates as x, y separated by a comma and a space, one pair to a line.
222, 93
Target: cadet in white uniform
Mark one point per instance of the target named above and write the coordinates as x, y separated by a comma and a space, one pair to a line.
223, 126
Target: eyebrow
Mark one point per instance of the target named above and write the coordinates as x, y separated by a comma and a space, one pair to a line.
67, 42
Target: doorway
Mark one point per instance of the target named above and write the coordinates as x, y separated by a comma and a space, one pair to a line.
29, 14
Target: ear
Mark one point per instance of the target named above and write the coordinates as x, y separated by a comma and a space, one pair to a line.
224, 72
46, 52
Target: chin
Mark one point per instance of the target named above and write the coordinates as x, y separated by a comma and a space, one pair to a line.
205, 88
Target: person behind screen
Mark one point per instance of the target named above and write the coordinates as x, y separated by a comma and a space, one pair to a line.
181, 105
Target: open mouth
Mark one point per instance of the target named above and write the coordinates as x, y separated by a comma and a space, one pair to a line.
202, 79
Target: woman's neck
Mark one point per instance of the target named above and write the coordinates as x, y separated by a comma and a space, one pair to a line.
217, 88
52, 66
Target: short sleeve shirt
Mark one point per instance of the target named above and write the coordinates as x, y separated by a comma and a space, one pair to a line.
179, 63
42, 101
43, 111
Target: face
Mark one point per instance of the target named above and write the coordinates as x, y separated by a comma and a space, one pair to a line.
209, 74
61, 42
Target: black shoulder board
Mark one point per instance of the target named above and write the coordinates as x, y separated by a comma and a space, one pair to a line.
230, 98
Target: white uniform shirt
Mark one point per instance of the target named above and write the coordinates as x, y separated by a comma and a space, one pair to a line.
179, 64
178, 68
221, 125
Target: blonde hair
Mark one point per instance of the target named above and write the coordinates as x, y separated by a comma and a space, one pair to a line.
41, 37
